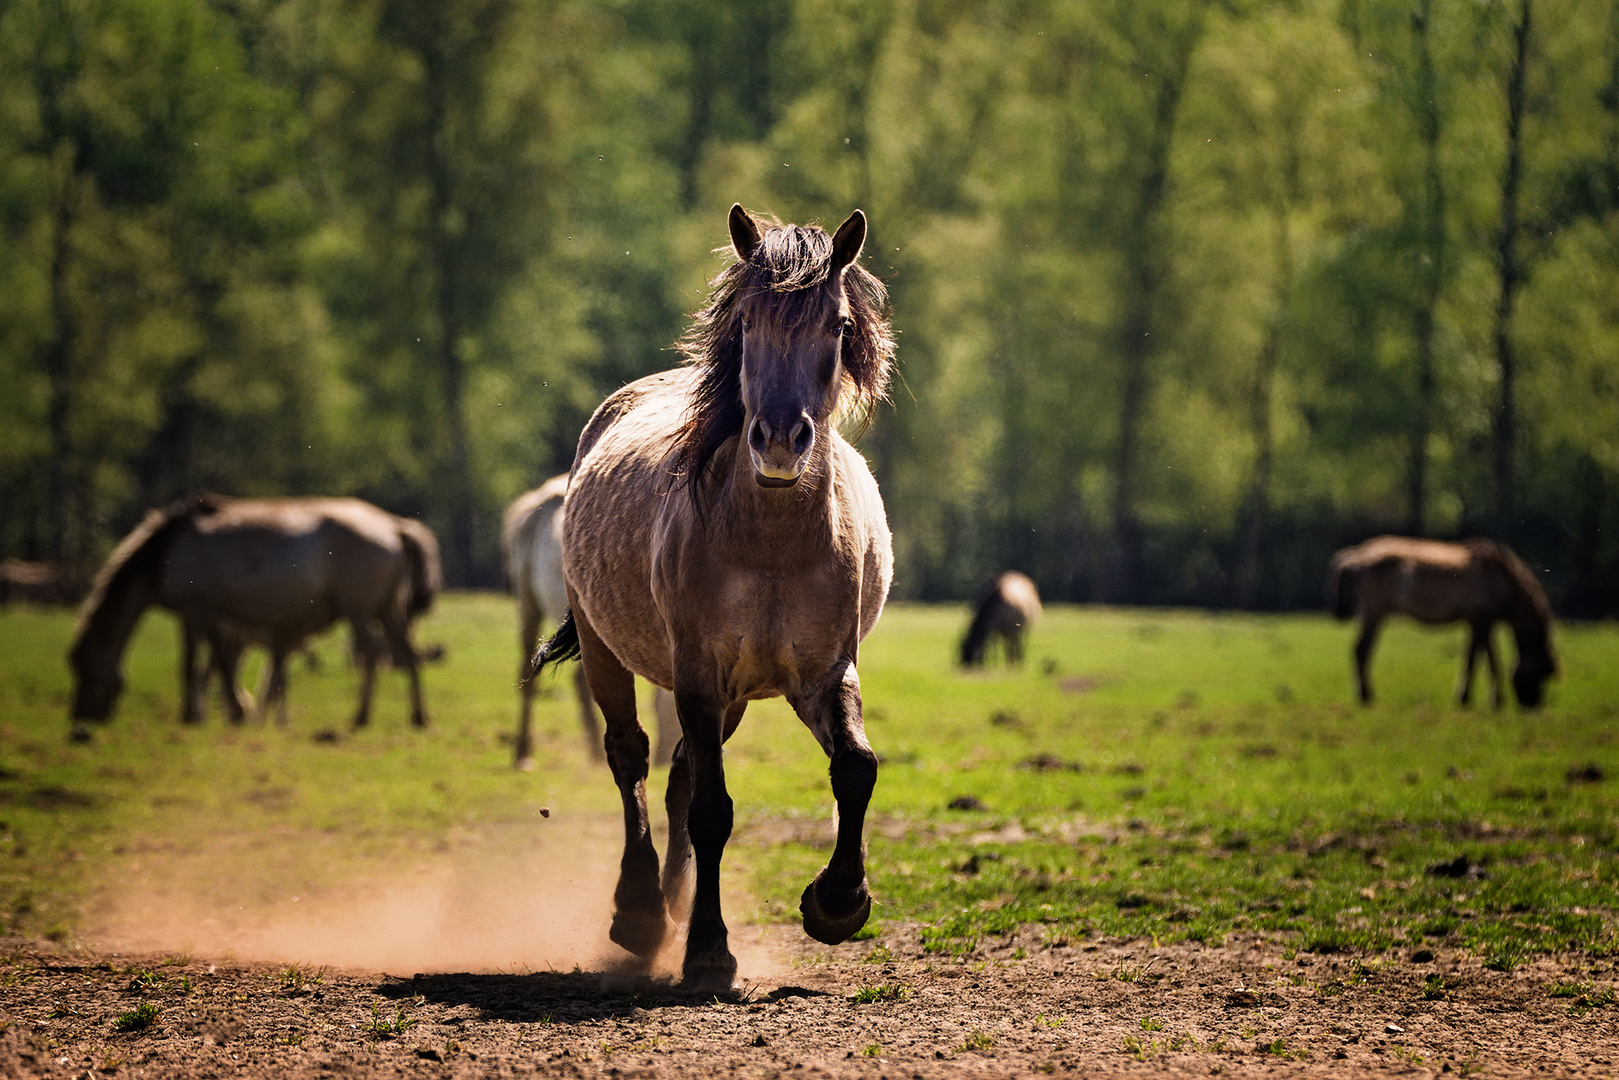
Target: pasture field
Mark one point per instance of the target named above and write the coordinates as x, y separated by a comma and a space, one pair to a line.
1153, 780
1167, 774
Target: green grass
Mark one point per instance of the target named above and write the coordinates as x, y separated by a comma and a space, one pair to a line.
1155, 774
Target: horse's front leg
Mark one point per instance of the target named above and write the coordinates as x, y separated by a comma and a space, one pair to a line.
1475, 642
1363, 658
639, 923
677, 801
1497, 690
193, 682
709, 964
838, 902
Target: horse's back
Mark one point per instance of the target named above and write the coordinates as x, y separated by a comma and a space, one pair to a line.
1433, 581
285, 567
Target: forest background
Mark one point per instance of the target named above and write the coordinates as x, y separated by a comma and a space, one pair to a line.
1188, 294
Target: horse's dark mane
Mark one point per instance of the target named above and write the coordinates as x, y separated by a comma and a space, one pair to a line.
135, 552
1521, 576
787, 266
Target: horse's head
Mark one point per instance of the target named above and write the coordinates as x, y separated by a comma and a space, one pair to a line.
1535, 665
97, 682
793, 335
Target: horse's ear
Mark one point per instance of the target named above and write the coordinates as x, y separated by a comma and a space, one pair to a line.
744, 232
847, 242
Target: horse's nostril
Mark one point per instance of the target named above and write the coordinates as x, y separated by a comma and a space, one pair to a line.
802, 433
759, 437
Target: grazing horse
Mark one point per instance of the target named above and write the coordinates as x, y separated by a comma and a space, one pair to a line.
532, 536
240, 572
1476, 581
724, 541
1006, 607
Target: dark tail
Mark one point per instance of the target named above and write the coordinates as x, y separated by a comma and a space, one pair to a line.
426, 570
560, 647
1341, 589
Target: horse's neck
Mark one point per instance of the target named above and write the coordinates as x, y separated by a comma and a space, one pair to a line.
113, 621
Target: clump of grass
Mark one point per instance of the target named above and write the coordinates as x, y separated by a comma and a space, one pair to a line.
872, 1050
299, 978
382, 1028
882, 954
141, 1018
977, 1040
1149, 1024
868, 995
1506, 955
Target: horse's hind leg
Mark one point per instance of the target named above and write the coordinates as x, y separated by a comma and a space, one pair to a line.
227, 658
528, 637
365, 643
837, 903
587, 715
396, 631
1363, 658
639, 924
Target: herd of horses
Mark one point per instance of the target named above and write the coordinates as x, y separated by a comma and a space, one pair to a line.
718, 537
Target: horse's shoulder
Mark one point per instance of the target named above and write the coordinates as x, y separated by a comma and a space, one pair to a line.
673, 385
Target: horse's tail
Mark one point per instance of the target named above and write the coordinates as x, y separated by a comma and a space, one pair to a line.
560, 647
1342, 587
426, 570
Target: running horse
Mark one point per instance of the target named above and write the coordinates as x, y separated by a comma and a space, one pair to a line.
725, 542
1478, 582
1005, 609
270, 572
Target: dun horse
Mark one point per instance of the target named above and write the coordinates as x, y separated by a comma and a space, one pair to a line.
265, 572
724, 541
1477, 581
1005, 609
532, 537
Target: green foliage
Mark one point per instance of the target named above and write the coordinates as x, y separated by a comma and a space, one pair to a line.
1189, 294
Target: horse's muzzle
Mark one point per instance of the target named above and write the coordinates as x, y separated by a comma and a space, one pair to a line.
774, 481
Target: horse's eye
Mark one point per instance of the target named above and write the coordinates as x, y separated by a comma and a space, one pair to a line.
747, 324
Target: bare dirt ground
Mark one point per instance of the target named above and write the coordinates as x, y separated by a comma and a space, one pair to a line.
1094, 1008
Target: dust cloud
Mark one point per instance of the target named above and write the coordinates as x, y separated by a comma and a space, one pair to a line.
486, 899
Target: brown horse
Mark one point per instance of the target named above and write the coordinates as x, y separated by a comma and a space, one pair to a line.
724, 541
532, 537
1005, 608
1477, 581
265, 572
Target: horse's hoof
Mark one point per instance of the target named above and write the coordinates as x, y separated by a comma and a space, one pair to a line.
712, 971
824, 923
80, 733
525, 764
638, 931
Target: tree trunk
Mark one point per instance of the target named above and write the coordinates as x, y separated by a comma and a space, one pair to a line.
1511, 272
1144, 260
1256, 508
1430, 269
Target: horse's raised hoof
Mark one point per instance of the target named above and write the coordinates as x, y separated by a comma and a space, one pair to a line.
829, 921
712, 971
641, 932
